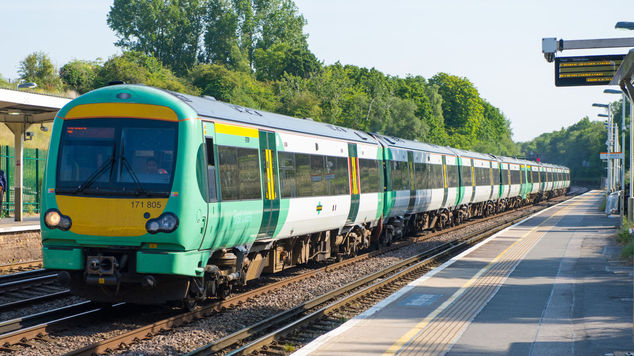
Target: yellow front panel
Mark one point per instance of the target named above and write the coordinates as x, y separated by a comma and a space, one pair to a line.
115, 110
109, 216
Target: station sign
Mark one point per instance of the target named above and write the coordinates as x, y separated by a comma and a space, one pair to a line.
586, 70
611, 155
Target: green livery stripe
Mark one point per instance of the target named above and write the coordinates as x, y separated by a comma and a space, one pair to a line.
270, 184
446, 191
461, 188
412, 188
353, 168
473, 182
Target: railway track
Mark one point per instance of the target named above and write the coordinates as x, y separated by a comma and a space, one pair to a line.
20, 266
26, 288
147, 332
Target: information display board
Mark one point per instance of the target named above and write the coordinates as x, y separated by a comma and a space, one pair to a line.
586, 70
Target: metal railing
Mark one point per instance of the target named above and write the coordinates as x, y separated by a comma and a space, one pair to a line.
33, 171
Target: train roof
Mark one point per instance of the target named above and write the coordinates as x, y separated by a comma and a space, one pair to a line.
396, 142
209, 107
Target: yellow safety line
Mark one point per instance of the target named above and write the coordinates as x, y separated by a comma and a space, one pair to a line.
414, 331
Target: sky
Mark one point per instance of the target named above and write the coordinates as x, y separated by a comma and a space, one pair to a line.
496, 44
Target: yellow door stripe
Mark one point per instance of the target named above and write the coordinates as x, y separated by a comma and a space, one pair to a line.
270, 186
444, 172
420, 326
122, 110
473, 180
353, 165
237, 130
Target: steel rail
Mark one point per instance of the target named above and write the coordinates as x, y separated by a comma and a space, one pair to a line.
32, 300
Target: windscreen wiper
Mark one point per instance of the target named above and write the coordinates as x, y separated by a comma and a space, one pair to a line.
96, 174
140, 190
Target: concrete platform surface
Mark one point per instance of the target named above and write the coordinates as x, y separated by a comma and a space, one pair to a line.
29, 223
550, 285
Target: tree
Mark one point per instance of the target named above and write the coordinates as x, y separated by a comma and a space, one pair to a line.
169, 30
37, 68
250, 25
80, 75
238, 88
272, 63
462, 108
138, 68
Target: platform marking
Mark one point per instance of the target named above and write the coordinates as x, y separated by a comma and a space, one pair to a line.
323, 339
406, 339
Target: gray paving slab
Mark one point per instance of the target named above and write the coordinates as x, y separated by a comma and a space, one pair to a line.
569, 295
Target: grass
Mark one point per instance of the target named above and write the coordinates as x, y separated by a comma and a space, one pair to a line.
290, 347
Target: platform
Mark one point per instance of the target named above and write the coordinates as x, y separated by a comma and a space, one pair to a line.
29, 223
549, 285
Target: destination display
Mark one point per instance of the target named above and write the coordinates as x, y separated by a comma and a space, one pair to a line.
586, 70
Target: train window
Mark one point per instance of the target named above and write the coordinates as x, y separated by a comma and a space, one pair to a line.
397, 175
515, 177
467, 180
421, 176
318, 182
302, 175
482, 176
286, 160
211, 169
239, 170
337, 175
452, 176
436, 177
369, 173
535, 177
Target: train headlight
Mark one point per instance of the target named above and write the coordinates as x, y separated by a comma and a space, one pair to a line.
52, 218
55, 220
167, 222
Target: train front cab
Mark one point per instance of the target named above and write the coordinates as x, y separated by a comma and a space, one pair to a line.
114, 222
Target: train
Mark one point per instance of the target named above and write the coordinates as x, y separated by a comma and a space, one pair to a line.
156, 197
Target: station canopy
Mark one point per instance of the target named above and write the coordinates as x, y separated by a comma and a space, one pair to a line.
18, 111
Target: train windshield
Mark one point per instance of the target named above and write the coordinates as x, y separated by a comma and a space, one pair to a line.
121, 157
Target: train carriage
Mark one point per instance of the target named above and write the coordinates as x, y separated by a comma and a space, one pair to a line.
152, 196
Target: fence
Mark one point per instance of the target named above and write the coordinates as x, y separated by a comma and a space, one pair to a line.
33, 171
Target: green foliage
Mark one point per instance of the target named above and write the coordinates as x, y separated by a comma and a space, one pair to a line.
37, 68
238, 88
79, 75
4, 83
280, 58
168, 30
138, 68
236, 29
576, 147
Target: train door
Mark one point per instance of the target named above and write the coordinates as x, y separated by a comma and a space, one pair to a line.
209, 178
270, 186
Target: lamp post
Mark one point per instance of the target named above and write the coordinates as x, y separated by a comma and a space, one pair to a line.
609, 145
623, 99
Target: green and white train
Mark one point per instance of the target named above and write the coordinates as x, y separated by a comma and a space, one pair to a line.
153, 196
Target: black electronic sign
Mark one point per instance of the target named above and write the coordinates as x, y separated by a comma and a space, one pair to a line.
586, 70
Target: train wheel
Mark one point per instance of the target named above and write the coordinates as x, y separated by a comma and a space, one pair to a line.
224, 291
190, 304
